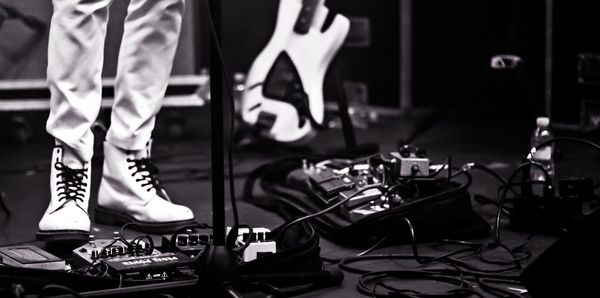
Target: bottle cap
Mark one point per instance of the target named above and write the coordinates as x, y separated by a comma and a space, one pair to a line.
239, 77
542, 121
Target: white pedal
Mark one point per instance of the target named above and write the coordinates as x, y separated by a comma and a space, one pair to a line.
259, 245
412, 163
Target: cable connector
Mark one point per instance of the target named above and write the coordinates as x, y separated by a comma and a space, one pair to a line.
468, 166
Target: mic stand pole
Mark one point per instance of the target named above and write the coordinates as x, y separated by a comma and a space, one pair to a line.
216, 266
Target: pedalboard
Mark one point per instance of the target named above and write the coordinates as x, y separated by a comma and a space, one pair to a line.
358, 182
133, 263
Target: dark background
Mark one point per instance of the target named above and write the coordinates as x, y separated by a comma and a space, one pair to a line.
452, 43
577, 29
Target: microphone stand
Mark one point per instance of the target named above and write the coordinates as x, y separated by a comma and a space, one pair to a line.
216, 266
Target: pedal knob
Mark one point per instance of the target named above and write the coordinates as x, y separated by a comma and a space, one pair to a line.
405, 151
414, 169
421, 153
182, 240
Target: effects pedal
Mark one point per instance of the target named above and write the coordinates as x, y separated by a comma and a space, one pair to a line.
412, 161
141, 262
553, 214
188, 243
368, 209
260, 244
29, 256
340, 183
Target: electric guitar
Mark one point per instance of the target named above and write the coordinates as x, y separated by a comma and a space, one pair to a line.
283, 97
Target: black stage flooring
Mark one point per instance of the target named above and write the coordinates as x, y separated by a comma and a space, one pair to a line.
185, 173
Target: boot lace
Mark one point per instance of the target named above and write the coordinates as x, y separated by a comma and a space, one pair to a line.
71, 185
147, 170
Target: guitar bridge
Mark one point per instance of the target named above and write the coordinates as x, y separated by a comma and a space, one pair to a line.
265, 121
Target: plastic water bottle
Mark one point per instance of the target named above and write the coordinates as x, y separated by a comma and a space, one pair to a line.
543, 155
239, 86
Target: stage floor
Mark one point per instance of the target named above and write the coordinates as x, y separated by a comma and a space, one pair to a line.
185, 173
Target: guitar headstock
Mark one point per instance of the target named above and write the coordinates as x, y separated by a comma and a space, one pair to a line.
307, 15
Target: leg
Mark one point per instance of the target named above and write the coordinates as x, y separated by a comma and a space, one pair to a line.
150, 39
129, 190
75, 57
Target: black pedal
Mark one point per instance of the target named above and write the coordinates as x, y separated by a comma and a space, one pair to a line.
333, 187
545, 215
576, 188
335, 183
551, 214
29, 256
161, 266
128, 261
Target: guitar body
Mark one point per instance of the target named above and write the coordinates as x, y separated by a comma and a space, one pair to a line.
283, 97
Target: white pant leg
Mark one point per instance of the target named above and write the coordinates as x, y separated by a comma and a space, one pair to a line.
75, 58
150, 38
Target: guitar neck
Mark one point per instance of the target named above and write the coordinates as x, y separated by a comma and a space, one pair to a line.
306, 15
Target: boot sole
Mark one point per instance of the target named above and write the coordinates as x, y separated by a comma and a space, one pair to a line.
115, 218
62, 235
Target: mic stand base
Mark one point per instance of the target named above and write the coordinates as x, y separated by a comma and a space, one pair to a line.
216, 269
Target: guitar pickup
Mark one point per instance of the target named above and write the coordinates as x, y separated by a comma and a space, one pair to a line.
306, 16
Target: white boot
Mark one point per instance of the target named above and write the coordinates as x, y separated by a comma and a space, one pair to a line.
67, 215
130, 192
